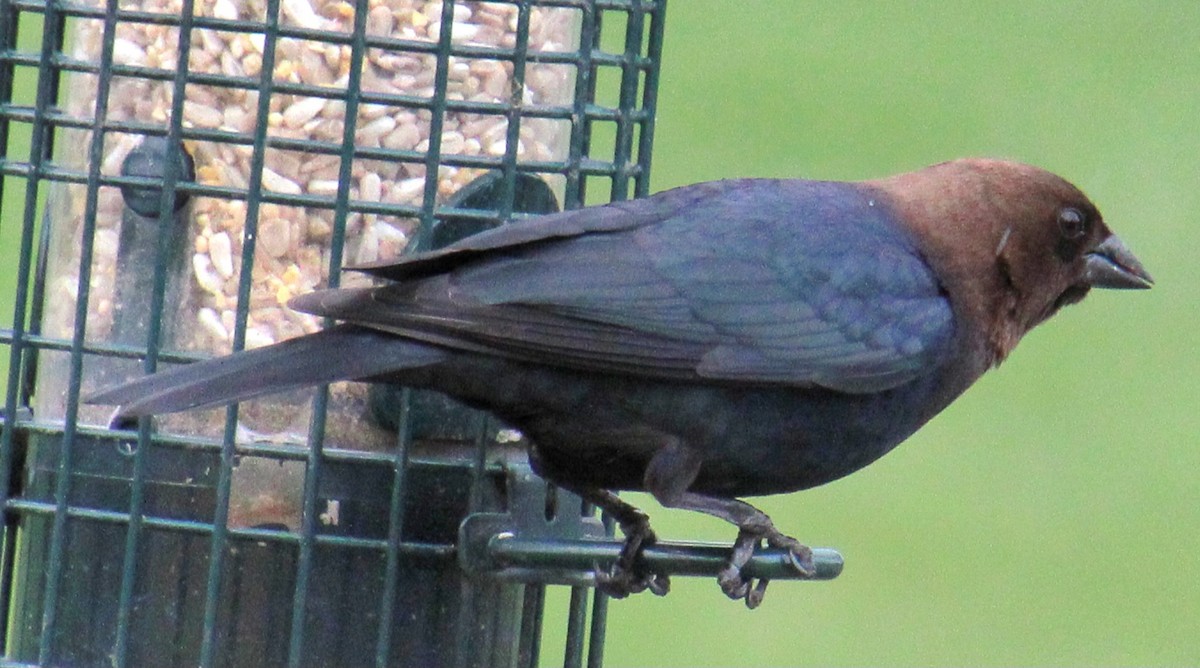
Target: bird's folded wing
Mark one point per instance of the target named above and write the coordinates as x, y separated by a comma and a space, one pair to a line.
816, 289
615, 217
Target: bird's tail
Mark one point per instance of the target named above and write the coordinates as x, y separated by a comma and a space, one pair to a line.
343, 352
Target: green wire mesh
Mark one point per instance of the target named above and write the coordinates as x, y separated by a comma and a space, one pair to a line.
105, 561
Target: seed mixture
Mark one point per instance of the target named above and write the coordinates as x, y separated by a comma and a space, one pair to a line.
292, 253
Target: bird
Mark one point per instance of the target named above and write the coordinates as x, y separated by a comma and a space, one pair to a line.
720, 340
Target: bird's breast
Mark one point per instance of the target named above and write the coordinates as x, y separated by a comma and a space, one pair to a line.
601, 430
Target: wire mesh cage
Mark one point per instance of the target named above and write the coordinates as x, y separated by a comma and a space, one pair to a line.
178, 169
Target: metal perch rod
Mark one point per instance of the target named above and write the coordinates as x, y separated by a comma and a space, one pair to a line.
507, 551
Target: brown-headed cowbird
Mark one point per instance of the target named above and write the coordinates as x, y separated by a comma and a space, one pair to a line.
724, 339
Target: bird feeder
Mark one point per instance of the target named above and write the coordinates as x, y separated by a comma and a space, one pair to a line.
176, 171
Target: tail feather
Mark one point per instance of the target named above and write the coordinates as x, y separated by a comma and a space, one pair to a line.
344, 352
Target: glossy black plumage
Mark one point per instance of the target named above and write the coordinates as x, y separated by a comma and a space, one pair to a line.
724, 339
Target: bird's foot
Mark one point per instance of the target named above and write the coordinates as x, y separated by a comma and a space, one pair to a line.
737, 585
628, 574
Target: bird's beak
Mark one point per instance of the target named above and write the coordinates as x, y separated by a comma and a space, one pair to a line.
1111, 265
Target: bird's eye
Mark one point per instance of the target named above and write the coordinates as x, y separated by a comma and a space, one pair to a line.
1072, 223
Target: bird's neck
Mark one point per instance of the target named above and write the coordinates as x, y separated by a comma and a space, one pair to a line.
970, 266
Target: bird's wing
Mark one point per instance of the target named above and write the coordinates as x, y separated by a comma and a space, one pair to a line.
797, 283
532, 232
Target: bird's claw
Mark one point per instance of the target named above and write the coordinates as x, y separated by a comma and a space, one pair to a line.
799, 554
732, 582
628, 575
738, 586
619, 583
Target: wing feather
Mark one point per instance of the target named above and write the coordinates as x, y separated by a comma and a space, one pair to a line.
819, 287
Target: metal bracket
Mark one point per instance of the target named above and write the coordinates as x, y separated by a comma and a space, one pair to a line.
528, 544
543, 522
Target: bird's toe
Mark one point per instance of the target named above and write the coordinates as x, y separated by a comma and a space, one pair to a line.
620, 582
628, 574
800, 554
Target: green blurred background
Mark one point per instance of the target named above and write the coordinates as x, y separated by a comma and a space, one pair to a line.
1052, 515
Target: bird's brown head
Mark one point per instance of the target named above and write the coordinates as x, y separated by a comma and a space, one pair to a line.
1013, 243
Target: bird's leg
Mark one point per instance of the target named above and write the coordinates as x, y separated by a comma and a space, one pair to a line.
672, 470
626, 576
